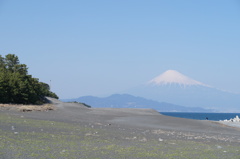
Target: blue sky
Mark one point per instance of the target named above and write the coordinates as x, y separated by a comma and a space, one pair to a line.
103, 47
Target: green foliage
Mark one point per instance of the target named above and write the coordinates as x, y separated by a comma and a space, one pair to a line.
16, 86
84, 104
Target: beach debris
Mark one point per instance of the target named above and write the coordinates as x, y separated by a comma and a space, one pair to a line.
160, 139
92, 134
143, 139
98, 124
219, 147
131, 138
159, 131
63, 151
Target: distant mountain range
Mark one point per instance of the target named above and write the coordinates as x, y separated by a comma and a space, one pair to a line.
129, 101
174, 87
170, 92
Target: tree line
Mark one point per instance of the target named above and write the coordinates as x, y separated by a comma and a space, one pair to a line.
17, 86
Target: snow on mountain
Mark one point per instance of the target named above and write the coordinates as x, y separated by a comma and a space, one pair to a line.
173, 77
174, 87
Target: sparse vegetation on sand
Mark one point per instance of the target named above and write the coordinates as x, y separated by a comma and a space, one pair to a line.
84, 104
22, 138
27, 108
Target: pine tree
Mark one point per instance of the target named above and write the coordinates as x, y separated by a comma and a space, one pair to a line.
16, 86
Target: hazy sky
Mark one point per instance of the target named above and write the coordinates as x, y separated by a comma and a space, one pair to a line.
101, 47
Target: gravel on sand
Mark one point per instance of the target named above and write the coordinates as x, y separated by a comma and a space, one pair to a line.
75, 131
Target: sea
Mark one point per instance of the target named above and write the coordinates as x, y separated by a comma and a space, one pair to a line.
202, 116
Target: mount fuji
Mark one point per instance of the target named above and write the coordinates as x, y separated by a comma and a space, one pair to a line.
174, 87
173, 77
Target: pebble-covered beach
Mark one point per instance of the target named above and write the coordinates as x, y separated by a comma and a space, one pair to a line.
74, 131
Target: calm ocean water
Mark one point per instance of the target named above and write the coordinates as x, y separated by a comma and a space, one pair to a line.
202, 116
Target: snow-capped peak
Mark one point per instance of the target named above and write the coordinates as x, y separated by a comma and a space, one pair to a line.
174, 77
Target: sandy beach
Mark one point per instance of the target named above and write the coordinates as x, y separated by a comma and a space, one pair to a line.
75, 131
